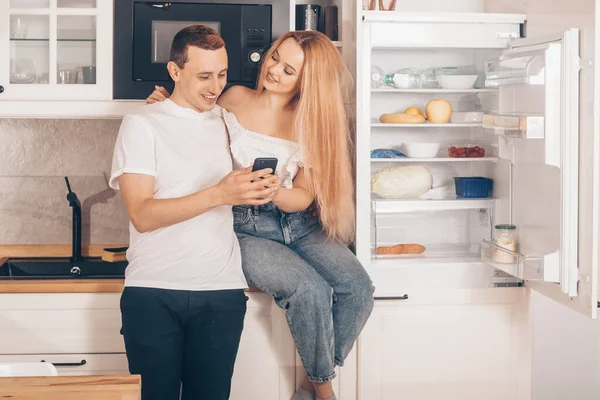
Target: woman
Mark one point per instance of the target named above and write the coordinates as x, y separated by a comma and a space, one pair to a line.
297, 115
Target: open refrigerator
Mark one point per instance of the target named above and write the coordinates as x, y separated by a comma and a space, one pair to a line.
527, 98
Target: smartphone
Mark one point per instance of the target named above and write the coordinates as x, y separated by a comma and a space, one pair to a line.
264, 162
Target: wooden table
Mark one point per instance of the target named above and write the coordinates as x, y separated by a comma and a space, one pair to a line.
106, 387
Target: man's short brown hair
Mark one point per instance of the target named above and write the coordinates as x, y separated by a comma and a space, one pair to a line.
194, 35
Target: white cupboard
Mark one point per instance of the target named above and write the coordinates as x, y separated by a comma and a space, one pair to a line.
56, 49
79, 334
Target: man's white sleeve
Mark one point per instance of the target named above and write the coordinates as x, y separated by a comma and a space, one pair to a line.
134, 150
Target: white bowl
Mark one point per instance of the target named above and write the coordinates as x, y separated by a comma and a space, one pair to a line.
456, 81
421, 150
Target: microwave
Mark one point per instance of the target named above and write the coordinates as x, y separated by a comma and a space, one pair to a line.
143, 32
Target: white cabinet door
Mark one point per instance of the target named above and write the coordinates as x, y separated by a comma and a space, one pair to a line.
265, 367
76, 364
450, 351
60, 323
56, 50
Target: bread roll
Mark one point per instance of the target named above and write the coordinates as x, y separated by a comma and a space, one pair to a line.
401, 249
413, 110
401, 118
438, 111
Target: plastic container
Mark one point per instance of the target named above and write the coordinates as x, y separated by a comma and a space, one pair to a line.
457, 81
426, 79
421, 150
466, 151
506, 237
461, 117
474, 187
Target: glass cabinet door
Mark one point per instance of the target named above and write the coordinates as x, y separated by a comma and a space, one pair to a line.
76, 50
29, 49
56, 49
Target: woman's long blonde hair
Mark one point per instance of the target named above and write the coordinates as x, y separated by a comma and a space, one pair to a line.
321, 128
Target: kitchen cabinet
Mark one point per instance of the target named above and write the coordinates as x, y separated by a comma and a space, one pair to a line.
79, 332
51, 48
56, 49
266, 361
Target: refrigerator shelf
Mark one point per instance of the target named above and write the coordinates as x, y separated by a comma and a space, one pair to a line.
435, 160
388, 206
523, 266
515, 126
428, 91
426, 125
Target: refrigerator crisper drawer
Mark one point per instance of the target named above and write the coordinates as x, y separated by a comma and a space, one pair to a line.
430, 235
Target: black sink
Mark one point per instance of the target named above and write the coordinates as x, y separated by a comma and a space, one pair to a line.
61, 268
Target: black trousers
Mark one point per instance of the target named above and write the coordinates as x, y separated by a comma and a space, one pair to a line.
182, 340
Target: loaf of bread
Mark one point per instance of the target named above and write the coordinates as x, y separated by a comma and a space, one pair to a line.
401, 118
401, 249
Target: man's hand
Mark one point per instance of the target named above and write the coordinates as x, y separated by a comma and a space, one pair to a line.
246, 187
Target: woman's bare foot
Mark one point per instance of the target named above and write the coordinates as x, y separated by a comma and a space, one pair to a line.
307, 385
323, 390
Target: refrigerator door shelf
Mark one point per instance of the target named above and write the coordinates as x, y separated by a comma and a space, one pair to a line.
521, 264
515, 126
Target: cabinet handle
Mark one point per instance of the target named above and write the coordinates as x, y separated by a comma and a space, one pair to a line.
405, 297
1, 89
76, 364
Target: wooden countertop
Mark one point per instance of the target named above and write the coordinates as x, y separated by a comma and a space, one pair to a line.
56, 285
113, 387
52, 250
60, 285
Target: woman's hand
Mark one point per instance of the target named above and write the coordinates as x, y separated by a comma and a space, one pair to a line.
159, 94
276, 185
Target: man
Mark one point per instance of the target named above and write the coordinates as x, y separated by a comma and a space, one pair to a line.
183, 304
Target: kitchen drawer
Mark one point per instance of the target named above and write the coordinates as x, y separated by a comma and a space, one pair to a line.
77, 364
73, 331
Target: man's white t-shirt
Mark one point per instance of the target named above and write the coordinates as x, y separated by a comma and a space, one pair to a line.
186, 151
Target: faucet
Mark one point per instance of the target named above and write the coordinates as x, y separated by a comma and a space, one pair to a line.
76, 222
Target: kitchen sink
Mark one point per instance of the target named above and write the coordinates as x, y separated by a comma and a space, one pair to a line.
61, 268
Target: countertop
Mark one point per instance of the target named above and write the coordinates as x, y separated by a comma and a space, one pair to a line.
57, 285
113, 387
60, 285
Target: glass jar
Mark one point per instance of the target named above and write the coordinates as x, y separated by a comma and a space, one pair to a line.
507, 238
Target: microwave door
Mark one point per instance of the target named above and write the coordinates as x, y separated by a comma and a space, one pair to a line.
155, 27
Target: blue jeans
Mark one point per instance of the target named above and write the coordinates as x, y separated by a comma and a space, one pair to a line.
326, 292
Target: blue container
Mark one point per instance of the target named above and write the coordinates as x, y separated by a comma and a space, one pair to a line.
474, 187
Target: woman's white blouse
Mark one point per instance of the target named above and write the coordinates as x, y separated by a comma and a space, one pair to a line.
247, 145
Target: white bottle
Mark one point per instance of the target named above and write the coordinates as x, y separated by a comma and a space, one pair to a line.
403, 79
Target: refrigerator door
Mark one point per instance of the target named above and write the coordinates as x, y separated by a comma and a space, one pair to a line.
537, 124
